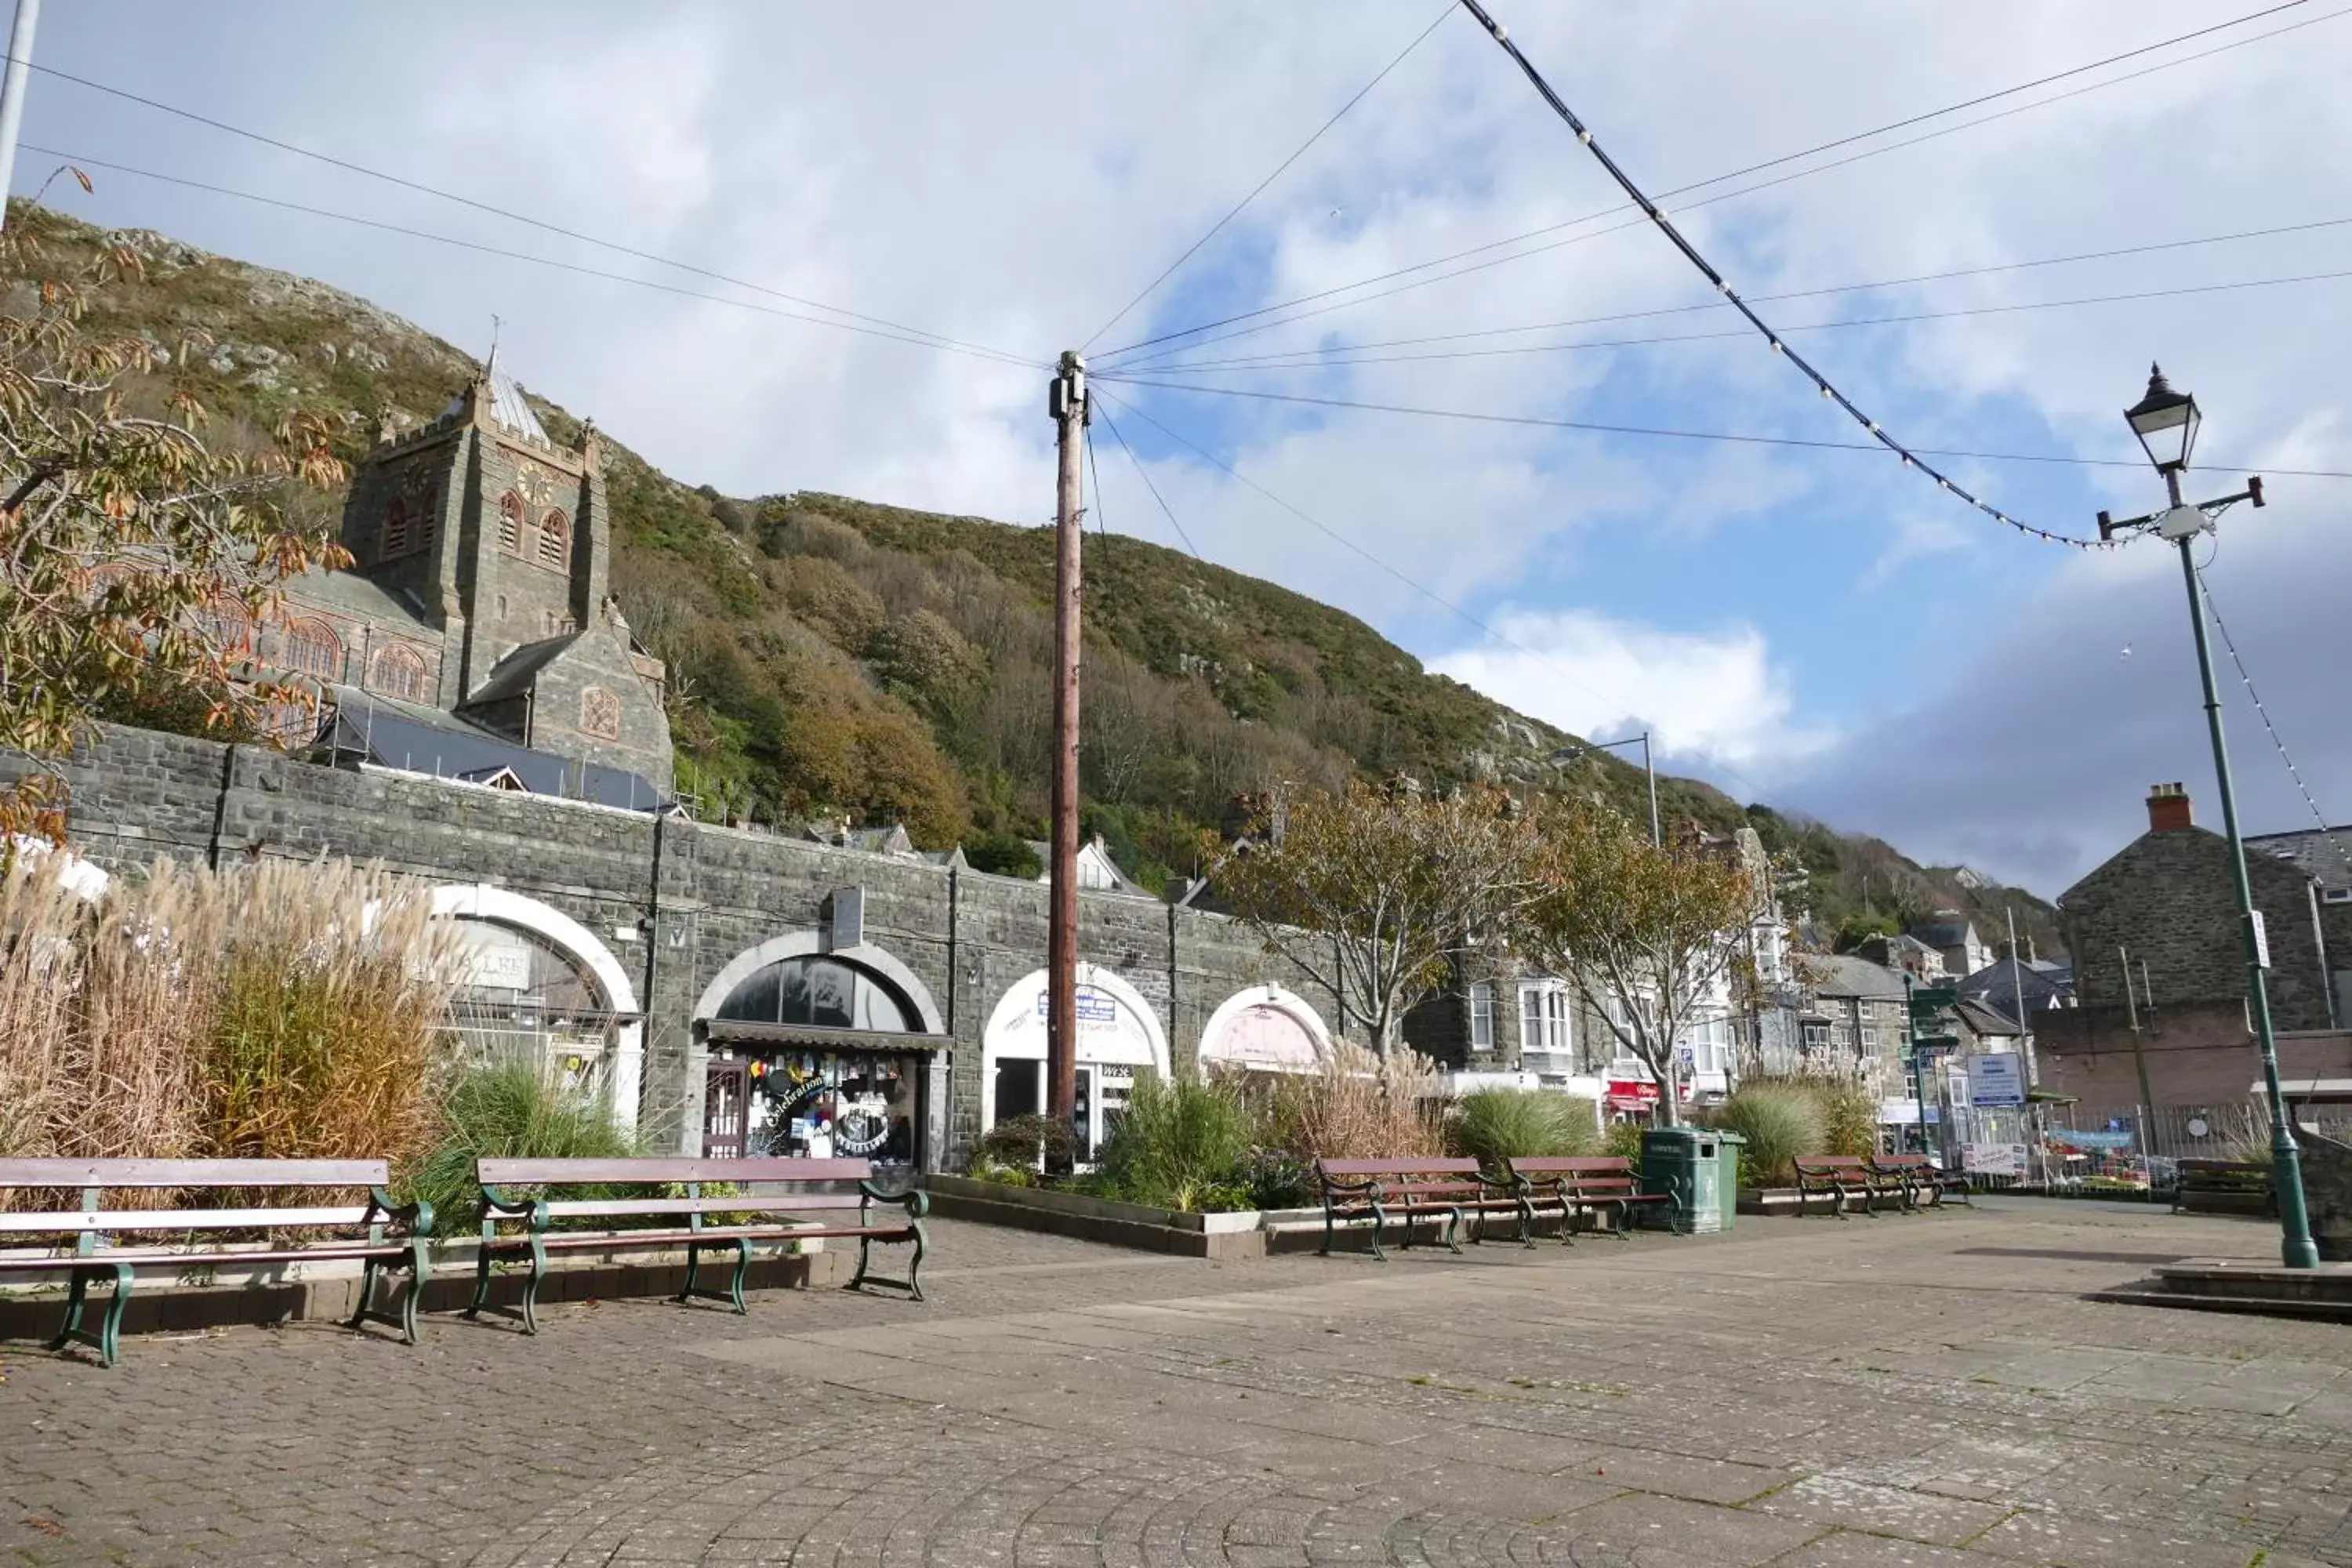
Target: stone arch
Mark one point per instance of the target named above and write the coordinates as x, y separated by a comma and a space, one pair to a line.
1016, 1030
503, 906
1243, 1020
880, 962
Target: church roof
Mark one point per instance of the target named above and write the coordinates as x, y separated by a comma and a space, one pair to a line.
508, 406
513, 676
372, 729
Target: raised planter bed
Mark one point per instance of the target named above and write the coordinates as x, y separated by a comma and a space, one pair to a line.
1222, 1236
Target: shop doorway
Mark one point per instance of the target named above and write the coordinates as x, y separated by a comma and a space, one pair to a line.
1103, 1093
726, 1097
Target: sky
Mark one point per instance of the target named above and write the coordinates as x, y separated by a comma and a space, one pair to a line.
1817, 628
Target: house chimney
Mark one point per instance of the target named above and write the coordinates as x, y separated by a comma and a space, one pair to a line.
2168, 808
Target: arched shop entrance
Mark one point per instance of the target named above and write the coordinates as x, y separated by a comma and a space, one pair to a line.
814, 1055
1265, 1029
1119, 1035
536, 985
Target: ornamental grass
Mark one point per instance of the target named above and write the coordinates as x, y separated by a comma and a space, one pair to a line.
1495, 1126
284, 1010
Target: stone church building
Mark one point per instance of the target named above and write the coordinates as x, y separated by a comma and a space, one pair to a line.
477, 617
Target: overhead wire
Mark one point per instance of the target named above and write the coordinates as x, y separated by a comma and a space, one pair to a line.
1257, 190
1663, 432
578, 269
1145, 475
1707, 269
1273, 357
1636, 222
2213, 611
1408, 579
1189, 369
508, 214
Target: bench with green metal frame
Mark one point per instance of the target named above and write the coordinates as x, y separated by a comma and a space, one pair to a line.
218, 1235
1842, 1177
1411, 1187
1597, 1184
773, 1190
1913, 1177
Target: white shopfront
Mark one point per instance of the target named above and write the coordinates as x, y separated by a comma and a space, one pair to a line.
1120, 1035
1265, 1029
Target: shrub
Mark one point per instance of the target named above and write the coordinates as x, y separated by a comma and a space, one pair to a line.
1493, 1125
1623, 1142
1779, 1121
1179, 1145
1358, 1106
508, 1110
1016, 1142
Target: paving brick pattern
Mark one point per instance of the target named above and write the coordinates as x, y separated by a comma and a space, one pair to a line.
1922, 1390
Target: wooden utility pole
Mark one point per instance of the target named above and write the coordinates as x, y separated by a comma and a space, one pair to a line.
1067, 403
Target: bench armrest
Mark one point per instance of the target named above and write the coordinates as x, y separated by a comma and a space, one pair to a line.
497, 1205
1368, 1185
416, 1218
916, 1202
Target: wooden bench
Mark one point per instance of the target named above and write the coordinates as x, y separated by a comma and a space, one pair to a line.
1584, 1184
1842, 1177
1414, 1187
1914, 1176
775, 1189
393, 1234
2223, 1187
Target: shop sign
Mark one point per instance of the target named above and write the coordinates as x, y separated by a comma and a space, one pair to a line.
1627, 1094
1093, 1006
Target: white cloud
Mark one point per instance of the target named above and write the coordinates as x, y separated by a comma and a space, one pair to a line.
1706, 698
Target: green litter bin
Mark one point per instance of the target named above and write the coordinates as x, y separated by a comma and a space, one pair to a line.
1727, 1179
1699, 1168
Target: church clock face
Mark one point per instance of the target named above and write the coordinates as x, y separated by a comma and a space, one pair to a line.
534, 484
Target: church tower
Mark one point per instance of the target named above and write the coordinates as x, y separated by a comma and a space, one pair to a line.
500, 540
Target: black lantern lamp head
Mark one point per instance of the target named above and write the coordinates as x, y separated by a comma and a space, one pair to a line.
2166, 423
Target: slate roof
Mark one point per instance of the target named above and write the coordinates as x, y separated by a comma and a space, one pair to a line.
1842, 974
360, 598
1941, 934
365, 728
513, 676
1986, 1020
2325, 858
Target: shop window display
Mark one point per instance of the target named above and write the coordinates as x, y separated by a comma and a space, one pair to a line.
820, 1105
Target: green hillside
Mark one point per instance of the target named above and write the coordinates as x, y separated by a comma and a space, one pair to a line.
839, 657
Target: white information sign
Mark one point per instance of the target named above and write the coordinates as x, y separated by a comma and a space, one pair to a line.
1993, 1159
1996, 1078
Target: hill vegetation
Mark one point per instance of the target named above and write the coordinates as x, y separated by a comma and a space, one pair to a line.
836, 658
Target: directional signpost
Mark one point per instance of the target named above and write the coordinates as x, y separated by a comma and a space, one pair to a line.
1930, 1032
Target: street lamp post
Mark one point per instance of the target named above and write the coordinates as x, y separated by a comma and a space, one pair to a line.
1567, 754
2166, 423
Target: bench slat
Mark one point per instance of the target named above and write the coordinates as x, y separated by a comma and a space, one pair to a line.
560, 1173
51, 1173
561, 1208
231, 1255
1573, 1164
55, 1221
1395, 1167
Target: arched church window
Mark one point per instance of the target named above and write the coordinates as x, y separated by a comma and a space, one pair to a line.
397, 672
311, 647
510, 515
225, 624
817, 992
555, 541
392, 538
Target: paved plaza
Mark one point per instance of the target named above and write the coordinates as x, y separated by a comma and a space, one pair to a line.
1929, 1390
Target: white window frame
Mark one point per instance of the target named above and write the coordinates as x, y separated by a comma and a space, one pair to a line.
1552, 1033
1482, 1017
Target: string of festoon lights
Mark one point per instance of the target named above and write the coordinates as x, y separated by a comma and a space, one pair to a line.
1664, 226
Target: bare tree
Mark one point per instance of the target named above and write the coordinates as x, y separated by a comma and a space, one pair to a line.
1654, 930
1377, 894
